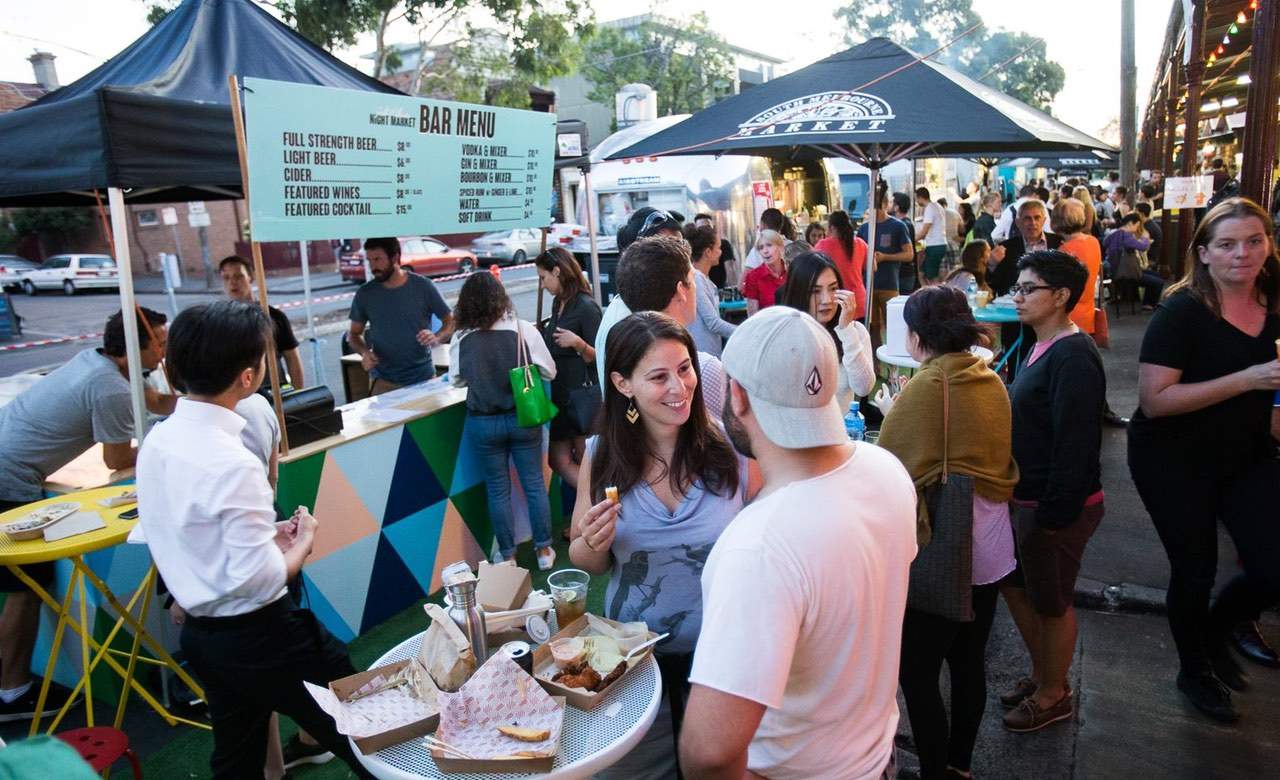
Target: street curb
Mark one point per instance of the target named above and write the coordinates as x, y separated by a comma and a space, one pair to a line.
1124, 597
326, 328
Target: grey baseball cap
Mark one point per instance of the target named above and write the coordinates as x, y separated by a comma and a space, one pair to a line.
787, 363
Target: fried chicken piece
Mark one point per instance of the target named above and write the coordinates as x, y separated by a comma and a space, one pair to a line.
579, 675
608, 680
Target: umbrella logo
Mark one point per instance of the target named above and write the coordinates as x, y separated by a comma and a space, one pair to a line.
823, 112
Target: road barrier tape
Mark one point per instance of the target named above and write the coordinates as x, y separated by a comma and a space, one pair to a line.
48, 342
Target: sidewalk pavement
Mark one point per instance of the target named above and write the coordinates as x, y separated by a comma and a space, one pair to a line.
193, 284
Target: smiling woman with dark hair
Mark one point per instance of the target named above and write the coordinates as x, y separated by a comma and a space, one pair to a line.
679, 482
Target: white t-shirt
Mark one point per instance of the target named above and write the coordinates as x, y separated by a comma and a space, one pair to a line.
261, 434
937, 220
803, 598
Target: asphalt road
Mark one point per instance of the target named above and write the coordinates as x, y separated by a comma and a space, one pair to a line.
57, 316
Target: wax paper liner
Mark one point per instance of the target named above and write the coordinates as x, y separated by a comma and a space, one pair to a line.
500, 693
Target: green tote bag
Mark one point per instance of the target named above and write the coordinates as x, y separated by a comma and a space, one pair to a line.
533, 407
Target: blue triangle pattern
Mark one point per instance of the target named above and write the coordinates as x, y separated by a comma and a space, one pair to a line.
392, 588
366, 463
341, 578
413, 485
467, 472
324, 611
416, 538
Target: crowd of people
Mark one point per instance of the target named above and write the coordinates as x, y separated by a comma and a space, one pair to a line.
748, 524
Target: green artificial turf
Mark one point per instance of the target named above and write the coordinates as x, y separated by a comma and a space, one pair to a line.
187, 754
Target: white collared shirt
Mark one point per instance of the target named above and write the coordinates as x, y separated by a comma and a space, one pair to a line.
207, 513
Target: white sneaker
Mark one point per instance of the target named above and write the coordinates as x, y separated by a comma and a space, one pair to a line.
546, 558
497, 559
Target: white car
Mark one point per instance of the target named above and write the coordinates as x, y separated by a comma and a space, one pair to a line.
508, 247
565, 233
72, 273
12, 267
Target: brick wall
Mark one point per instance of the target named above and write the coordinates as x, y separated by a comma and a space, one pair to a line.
149, 236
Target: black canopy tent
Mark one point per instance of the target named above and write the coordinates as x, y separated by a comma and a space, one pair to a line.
153, 124
873, 104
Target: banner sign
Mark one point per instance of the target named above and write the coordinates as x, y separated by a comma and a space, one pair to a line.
329, 163
1187, 192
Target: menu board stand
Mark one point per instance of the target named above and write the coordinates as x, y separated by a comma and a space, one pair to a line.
259, 272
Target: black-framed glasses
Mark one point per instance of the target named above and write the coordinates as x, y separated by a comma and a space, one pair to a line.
655, 220
1026, 289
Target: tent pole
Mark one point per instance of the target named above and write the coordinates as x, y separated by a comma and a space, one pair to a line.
133, 352
871, 237
538, 308
317, 364
596, 285
259, 273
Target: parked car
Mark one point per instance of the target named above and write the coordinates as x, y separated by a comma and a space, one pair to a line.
564, 233
423, 254
508, 247
12, 267
72, 273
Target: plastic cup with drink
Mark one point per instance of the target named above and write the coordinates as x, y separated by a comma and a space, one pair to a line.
569, 594
982, 297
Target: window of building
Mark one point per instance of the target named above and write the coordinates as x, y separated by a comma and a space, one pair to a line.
148, 218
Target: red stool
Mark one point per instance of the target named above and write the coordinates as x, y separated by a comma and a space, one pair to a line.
101, 747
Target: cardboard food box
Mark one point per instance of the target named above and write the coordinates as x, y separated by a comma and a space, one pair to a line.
544, 666
345, 686
503, 586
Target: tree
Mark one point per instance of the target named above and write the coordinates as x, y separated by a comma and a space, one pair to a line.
516, 43
689, 65
1014, 63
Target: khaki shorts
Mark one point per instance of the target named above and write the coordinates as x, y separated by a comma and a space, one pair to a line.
1049, 561
879, 307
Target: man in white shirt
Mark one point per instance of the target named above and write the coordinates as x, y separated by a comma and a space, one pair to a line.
931, 228
207, 512
796, 669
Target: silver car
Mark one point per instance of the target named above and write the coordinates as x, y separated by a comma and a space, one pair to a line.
508, 247
72, 273
12, 267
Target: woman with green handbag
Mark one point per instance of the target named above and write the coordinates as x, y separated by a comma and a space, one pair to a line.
502, 362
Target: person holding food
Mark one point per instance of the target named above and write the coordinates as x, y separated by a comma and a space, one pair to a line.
85, 401
1201, 446
680, 483
208, 515
796, 671
951, 422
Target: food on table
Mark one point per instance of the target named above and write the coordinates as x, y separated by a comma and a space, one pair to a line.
578, 675
612, 676
525, 734
611, 492
568, 651
603, 653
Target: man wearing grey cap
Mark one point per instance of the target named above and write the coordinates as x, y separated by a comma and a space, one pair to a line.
796, 669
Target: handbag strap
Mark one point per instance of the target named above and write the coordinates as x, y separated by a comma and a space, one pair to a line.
946, 426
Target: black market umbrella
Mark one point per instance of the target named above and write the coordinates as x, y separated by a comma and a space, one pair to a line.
873, 104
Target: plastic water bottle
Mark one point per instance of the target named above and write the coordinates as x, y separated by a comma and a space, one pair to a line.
972, 293
855, 424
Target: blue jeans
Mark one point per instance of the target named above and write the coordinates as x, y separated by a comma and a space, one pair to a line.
497, 437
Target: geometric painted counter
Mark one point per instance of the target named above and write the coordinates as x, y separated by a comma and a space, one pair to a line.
395, 505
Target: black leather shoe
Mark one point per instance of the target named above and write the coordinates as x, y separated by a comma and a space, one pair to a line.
1207, 694
1252, 645
1111, 418
1228, 670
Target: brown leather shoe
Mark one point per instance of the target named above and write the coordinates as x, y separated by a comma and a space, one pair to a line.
1028, 716
1021, 690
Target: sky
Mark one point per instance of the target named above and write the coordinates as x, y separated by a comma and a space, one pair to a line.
1083, 36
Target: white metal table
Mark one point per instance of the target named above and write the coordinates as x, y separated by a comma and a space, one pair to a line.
589, 742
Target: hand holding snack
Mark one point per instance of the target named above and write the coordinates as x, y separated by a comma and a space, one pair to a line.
599, 525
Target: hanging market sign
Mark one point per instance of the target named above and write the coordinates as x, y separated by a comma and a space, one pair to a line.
332, 163
824, 112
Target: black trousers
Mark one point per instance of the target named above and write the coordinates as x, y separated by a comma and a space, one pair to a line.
254, 664
927, 641
1186, 498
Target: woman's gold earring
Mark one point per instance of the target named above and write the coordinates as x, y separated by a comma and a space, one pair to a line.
633, 413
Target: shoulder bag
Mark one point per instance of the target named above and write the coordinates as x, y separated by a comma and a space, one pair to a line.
942, 574
533, 407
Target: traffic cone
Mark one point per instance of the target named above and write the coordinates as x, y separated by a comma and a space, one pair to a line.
496, 271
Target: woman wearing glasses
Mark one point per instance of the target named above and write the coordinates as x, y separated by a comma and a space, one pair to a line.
1057, 403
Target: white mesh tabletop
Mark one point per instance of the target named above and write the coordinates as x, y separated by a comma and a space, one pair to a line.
589, 741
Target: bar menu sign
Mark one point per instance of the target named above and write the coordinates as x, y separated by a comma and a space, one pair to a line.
338, 163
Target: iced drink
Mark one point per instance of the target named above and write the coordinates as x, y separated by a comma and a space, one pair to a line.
569, 593
983, 297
